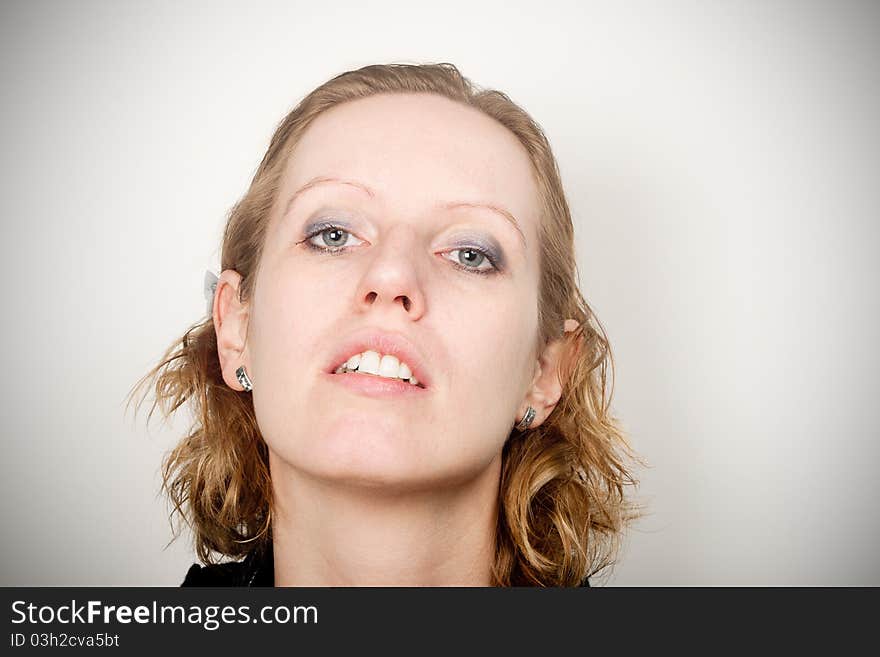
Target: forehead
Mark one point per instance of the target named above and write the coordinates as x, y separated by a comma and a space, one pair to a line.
416, 150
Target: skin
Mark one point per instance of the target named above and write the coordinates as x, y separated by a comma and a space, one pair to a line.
403, 492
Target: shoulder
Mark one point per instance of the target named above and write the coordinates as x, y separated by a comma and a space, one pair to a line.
219, 574
256, 569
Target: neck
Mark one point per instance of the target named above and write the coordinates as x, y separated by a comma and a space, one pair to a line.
325, 534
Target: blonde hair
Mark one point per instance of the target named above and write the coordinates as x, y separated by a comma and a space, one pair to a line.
562, 498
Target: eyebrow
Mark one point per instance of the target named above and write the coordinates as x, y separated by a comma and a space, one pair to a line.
445, 205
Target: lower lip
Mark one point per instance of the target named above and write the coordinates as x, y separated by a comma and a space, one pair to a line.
376, 386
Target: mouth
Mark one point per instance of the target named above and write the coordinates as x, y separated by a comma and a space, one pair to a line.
378, 387
380, 355
342, 370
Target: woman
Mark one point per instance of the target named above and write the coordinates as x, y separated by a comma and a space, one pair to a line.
400, 382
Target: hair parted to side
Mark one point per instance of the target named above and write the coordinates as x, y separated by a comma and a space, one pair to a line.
564, 507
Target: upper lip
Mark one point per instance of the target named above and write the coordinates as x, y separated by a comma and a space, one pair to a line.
385, 343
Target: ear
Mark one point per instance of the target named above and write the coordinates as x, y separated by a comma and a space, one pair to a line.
230, 325
546, 388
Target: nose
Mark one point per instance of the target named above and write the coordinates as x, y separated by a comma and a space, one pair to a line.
392, 276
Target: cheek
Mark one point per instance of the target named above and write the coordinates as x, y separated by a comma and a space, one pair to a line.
501, 334
286, 326
490, 368
291, 320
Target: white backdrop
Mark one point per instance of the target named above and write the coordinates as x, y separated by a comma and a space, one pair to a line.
721, 160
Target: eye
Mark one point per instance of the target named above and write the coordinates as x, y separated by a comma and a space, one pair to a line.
469, 259
332, 238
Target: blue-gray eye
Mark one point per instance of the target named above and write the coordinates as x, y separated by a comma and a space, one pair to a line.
469, 260
474, 251
334, 238
473, 257
336, 235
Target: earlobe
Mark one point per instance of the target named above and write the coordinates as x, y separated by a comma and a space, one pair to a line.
570, 325
230, 317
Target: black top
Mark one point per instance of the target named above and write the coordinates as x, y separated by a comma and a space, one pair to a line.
256, 569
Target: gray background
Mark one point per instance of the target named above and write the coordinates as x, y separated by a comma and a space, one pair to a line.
721, 161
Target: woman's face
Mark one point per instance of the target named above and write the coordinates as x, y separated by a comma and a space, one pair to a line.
403, 265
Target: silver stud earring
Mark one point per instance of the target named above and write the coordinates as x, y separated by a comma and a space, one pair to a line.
527, 419
243, 379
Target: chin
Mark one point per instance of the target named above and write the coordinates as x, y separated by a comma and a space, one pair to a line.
354, 453
391, 456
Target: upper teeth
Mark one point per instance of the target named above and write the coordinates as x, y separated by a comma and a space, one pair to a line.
371, 362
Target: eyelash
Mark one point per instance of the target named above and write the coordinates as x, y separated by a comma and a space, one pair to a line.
338, 251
